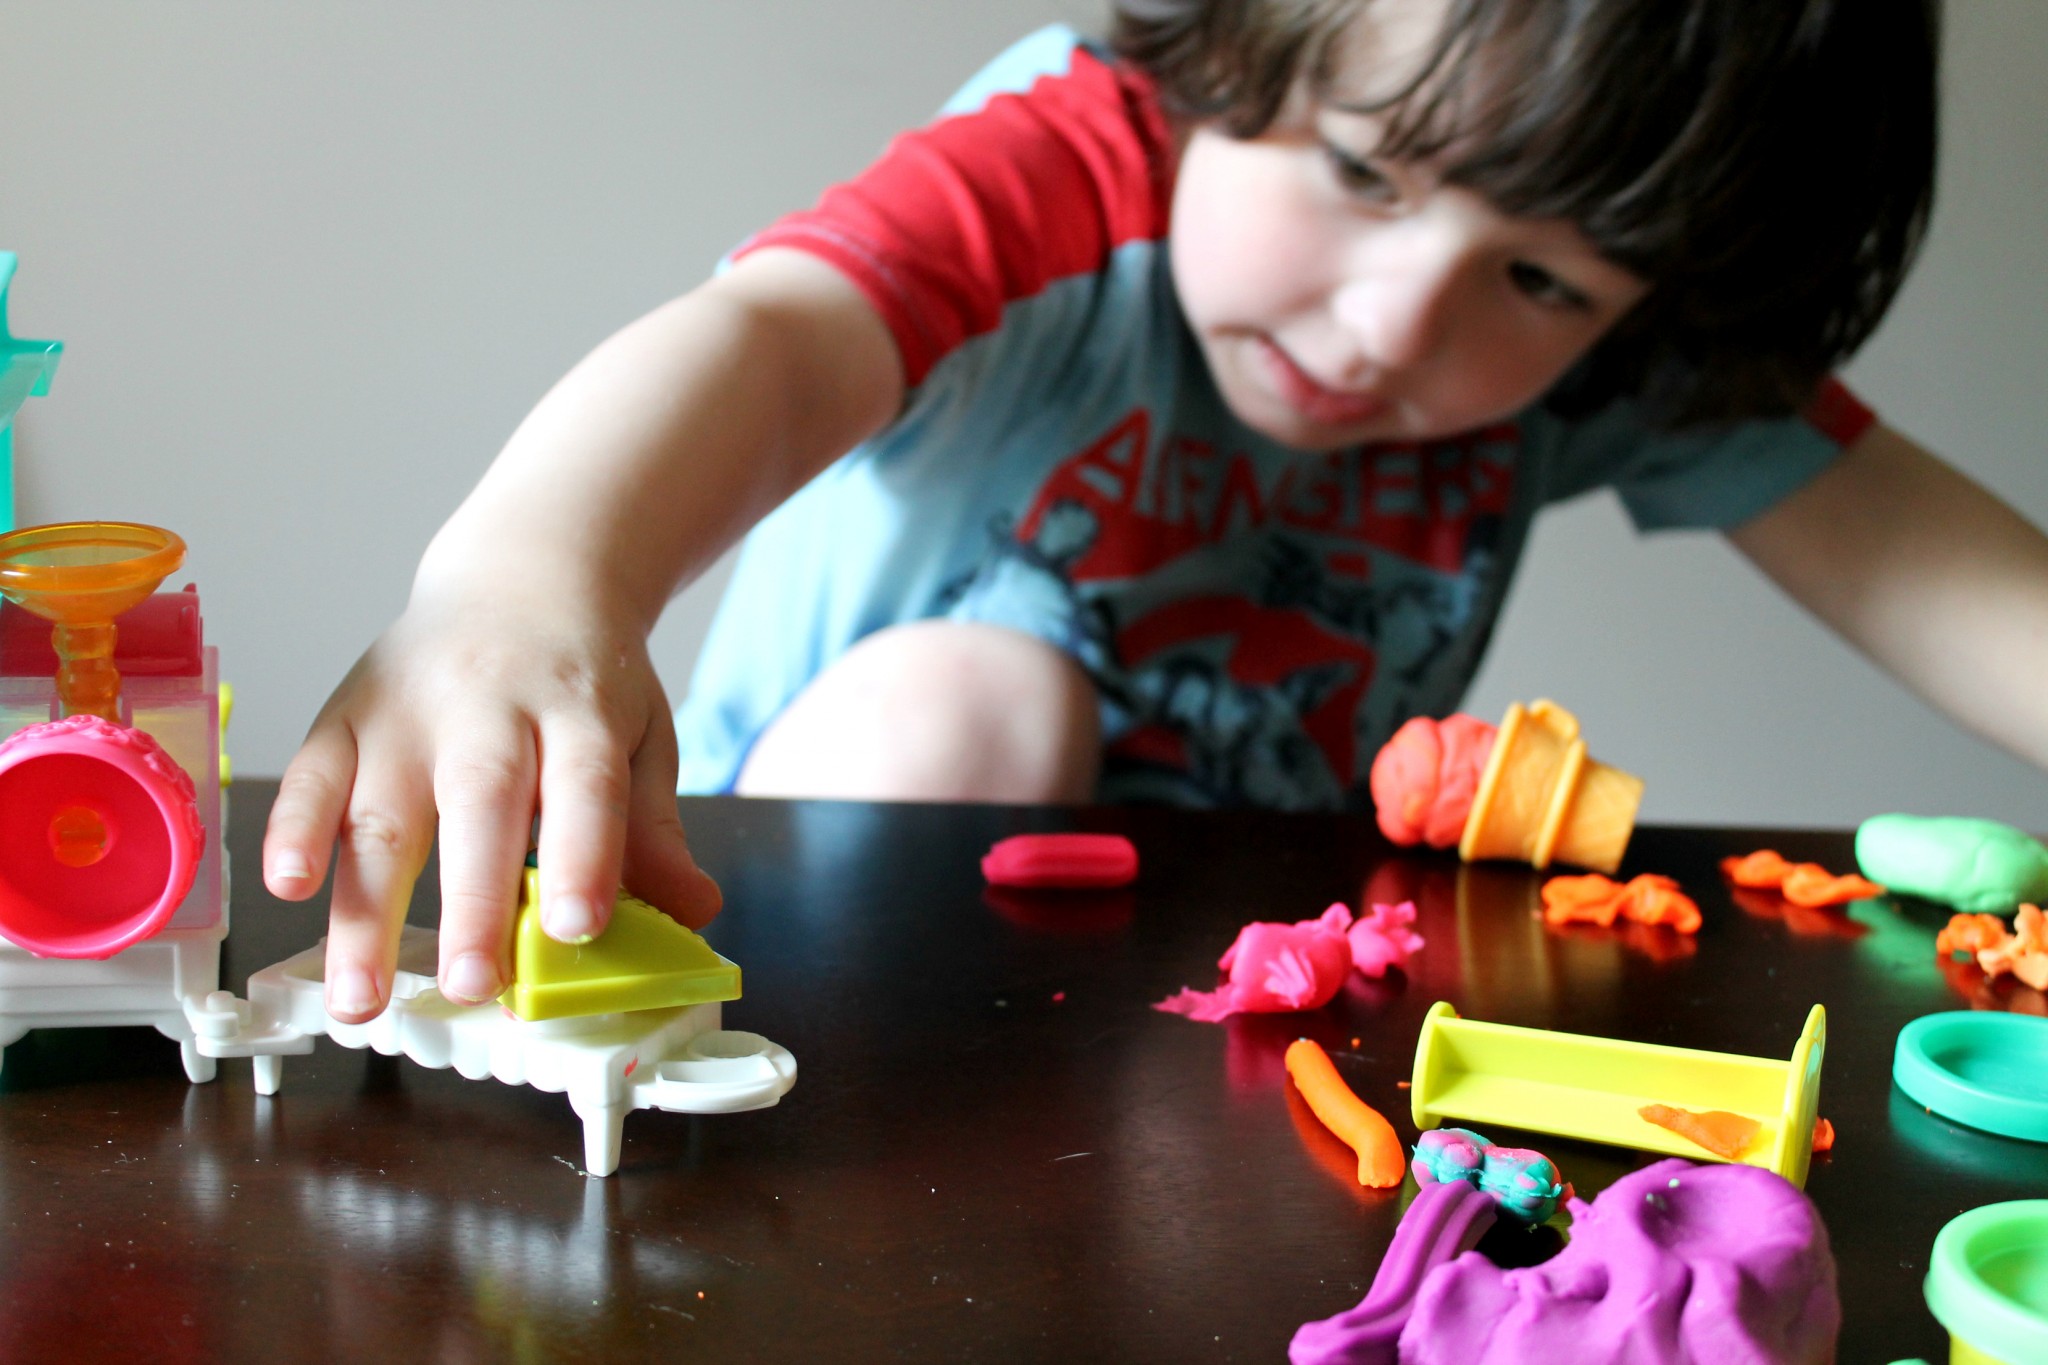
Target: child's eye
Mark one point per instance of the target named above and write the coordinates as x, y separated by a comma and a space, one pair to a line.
1357, 175
1544, 287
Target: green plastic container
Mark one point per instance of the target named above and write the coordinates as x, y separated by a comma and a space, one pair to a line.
1983, 1069
1987, 1283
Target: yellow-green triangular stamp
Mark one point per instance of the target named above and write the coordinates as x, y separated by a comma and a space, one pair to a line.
642, 961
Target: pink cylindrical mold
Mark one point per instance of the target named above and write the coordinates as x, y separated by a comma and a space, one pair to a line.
100, 837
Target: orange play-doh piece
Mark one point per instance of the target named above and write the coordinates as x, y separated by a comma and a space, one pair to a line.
1657, 900
1724, 1134
1970, 934
1811, 885
1823, 1136
1594, 899
1382, 1161
1589, 899
1763, 868
2024, 952
1806, 884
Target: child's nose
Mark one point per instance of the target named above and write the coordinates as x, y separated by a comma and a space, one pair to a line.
1400, 313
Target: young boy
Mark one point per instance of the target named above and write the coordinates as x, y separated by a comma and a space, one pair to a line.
1167, 426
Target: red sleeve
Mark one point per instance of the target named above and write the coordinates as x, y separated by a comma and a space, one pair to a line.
962, 217
1838, 414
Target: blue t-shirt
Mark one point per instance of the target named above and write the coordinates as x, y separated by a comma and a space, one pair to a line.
1256, 619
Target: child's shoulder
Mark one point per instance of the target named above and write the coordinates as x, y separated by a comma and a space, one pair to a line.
1051, 51
1704, 475
1039, 172
1074, 81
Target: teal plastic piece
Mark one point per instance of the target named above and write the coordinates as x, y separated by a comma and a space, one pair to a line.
1982, 1069
1987, 1283
25, 370
1979, 866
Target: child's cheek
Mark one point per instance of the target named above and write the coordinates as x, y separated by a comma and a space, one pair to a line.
1245, 252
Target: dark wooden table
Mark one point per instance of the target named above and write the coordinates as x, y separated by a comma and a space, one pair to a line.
996, 1150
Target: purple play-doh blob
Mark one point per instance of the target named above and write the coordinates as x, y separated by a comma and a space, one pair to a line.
1675, 1264
1443, 1223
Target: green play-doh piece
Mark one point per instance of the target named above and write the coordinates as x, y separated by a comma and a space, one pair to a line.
1979, 866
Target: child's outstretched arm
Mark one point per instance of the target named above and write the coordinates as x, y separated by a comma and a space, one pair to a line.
1927, 573
517, 680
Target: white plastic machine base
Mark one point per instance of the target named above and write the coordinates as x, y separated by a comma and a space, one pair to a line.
674, 1059
163, 982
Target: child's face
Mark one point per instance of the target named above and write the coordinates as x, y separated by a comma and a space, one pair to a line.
1339, 298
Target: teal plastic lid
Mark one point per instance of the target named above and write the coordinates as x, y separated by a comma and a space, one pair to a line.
1984, 1069
1987, 1282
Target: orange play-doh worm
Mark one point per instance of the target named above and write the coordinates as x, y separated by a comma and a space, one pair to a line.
1382, 1162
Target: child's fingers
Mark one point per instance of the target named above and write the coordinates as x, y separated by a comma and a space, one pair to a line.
385, 837
659, 868
583, 794
306, 816
484, 788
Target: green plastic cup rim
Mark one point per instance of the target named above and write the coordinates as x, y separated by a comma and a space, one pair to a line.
1974, 1311
1984, 1033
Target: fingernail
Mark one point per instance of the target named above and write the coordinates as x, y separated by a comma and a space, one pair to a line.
290, 865
569, 919
354, 991
470, 979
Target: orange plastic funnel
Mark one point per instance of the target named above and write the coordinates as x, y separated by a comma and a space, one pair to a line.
81, 575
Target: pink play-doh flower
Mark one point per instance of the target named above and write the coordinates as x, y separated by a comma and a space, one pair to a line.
1424, 778
1381, 938
1275, 968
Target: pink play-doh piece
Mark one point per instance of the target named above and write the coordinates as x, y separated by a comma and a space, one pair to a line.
1061, 860
1381, 938
1424, 778
1274, 968
100, 837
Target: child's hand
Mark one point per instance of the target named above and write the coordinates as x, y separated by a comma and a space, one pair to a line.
518, 678
485, 713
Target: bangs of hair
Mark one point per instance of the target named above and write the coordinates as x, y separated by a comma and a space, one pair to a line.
1767, 165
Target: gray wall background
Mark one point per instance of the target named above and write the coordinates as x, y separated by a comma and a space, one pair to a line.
314, 260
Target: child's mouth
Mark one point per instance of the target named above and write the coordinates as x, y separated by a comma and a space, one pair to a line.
1307, 395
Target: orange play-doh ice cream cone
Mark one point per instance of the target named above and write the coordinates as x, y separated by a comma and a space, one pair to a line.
1527, 791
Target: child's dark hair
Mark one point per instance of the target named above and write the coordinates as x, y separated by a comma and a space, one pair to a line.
1767, 164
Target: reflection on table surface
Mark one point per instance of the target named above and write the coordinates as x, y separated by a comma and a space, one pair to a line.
995, 1148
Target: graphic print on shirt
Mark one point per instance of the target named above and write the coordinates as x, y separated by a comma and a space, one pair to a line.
1250, 628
